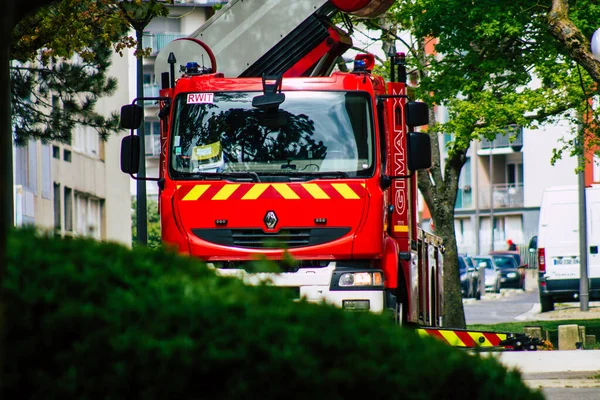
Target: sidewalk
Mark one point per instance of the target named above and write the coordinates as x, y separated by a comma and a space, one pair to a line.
555, 369
569, 311
563, 380
562, 311
558, 368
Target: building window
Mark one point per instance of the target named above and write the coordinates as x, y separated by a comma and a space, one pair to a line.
68, 209
86, 140
88, 216
459, 228
499, 229
152, 138
56, 152
26, 166
57, 209
514, 174
67, 155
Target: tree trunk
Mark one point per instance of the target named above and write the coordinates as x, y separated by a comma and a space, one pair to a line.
453, 313
12, 11
577, 45
6, 163
439, 191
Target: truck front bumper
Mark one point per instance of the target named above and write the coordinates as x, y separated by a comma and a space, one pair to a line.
322, 284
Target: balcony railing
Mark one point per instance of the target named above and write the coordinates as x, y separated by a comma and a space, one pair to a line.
504, 195
156, 41
503, 139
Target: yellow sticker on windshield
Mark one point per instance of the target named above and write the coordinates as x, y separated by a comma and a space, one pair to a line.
206, 152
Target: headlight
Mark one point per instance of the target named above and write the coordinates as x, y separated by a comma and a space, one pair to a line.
351, 279
511, 275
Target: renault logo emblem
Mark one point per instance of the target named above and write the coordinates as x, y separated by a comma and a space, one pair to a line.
270, 219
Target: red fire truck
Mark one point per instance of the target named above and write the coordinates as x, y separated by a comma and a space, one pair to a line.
265, 151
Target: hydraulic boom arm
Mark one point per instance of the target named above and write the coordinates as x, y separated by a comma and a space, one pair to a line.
293, 38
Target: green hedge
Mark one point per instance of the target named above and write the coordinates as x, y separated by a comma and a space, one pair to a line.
88, 320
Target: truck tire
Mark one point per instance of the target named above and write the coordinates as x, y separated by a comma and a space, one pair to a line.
547, 303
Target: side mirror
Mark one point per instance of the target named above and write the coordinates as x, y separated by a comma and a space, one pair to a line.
131, 116
130, 154
417, 113
419, 151
533, 244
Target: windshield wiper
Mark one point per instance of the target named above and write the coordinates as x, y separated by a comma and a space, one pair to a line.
221, 175
313, 175
327, 174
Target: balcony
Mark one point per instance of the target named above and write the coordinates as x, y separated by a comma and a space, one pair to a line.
502, 140
504, 195
156, 41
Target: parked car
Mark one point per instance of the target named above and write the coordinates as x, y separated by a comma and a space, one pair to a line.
491, 272
511, 274
512, 253
469, 278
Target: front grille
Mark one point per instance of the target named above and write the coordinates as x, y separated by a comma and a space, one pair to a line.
259, 239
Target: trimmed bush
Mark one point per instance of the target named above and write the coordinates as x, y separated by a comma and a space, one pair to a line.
88, 320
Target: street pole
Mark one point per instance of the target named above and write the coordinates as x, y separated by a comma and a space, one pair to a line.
491, 196
142, 219
475, 196
583, 270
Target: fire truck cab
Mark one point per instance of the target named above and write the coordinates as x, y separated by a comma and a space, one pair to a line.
281, 156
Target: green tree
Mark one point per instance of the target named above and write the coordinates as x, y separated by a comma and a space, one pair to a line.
154, 236
53, 69
488, 54
60, 57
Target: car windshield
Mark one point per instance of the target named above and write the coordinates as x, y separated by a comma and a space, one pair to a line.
487, 261
311, 134
505, 262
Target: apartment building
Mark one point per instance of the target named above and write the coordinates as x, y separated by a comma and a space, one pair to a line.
76, 189
501, 186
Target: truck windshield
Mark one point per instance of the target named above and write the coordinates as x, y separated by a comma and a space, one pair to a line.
312, 134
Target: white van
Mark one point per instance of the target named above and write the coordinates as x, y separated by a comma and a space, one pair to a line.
558, 245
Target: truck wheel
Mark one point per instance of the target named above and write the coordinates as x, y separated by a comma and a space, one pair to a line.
547, 303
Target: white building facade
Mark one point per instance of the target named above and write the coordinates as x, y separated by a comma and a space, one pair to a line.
76, 189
